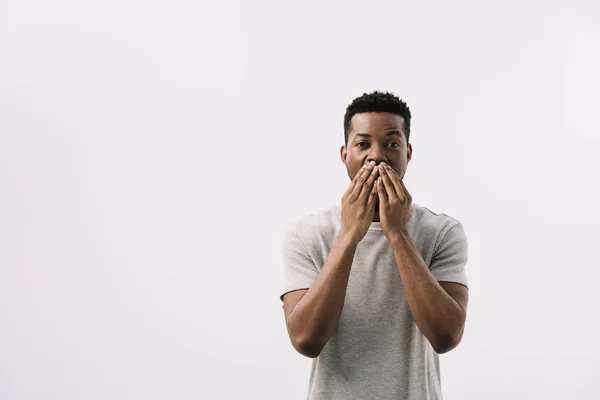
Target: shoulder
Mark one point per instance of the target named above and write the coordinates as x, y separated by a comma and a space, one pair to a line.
429, 225
322, 222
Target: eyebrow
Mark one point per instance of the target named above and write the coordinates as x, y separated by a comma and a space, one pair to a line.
394, 132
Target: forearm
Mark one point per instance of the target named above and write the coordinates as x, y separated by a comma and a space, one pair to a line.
439, 317
314, 319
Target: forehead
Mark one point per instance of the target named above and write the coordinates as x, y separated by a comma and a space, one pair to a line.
376, 123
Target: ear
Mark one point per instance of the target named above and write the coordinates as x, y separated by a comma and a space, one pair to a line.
409, 153
343, 153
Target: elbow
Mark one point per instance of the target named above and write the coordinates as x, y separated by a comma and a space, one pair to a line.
307, 347
308, 337
444, 346
446, 342
305, 341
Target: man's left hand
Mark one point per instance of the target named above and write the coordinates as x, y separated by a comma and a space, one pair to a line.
395, 202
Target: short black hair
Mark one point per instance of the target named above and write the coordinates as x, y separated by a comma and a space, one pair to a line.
377, 102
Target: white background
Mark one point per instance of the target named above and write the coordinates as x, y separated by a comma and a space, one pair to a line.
152, 152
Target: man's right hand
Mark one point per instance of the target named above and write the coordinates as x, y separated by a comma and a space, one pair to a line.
312, 315
358, 203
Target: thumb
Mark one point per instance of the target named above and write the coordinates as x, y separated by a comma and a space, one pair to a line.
372, 198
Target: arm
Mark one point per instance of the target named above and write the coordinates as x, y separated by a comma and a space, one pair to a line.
439, 308
312, 315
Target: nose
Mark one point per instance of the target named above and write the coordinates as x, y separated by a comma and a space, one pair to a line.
376, 155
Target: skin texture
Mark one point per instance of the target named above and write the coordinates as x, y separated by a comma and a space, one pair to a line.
313, 314
393, 149
439, 308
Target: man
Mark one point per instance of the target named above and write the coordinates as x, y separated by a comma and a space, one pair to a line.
375, 288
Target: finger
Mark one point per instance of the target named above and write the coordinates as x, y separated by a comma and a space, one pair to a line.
395, 180
368, 185
381, 190
355, 180
387, 184
406, 193
364, 174
372, 197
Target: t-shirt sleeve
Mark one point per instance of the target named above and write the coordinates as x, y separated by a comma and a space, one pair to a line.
299, 270
450, 256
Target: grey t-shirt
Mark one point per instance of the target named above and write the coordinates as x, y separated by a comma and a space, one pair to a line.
377, 351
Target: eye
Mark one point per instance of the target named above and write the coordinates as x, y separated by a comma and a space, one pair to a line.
361, 143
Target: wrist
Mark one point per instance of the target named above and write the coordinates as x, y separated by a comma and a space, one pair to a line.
348, 237
398, 235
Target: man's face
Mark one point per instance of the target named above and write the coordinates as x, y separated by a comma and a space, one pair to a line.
385, 142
